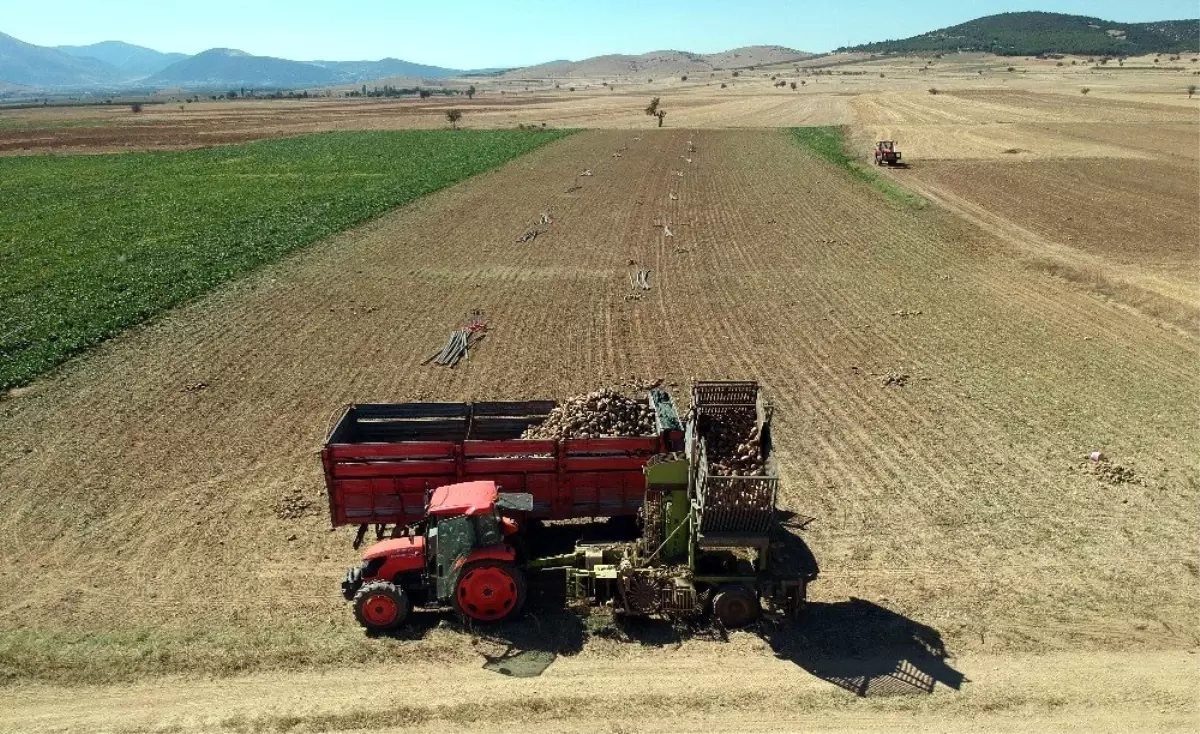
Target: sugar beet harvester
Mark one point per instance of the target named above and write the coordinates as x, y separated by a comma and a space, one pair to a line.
707, 543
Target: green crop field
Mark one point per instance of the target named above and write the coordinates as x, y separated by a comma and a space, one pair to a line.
92, 244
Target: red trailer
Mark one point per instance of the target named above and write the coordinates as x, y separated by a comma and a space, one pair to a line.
382, 460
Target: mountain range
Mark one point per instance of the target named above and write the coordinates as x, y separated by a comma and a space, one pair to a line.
1032, 33
133, 61
662, 63
114, 65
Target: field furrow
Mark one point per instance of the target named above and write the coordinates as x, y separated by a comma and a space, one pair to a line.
951, 493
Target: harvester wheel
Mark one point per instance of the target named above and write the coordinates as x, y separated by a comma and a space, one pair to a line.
381, 606
489, 591
736, 606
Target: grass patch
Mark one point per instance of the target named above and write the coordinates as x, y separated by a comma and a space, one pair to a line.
830, 143
77, 658
92, 244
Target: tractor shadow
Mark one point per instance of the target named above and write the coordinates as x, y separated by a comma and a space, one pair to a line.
864, 648
532, 642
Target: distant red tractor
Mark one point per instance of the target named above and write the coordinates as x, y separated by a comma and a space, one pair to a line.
886, 153
460, 557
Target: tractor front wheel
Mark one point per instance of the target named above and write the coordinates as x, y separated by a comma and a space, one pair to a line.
736, 606
489, 591
381, 606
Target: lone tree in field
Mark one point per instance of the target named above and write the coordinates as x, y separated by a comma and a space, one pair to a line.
793, 86
137, 107
454, 116
1191, 90
424, 93
653, 110
471, 92
1085, 90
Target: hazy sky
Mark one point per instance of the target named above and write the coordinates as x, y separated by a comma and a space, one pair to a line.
484, 33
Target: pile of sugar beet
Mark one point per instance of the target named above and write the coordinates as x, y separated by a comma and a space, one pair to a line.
733, 441
604, 413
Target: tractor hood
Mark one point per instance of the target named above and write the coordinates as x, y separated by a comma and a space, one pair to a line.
396, 547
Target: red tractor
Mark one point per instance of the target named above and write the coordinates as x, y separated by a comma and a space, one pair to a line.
460, 557
886, 153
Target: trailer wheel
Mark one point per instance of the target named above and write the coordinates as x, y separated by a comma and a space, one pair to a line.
736, 606
381, 606
489, 591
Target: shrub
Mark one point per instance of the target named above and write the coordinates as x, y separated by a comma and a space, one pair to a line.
724, 85
570, 89
471, 92
683, 78
453, 116
1012, 68
1085, 90
1191, 90
136, 107
793, 86
933, 90
737, 73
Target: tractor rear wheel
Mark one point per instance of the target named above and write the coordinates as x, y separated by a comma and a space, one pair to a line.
381, 606
736, 606
489, 591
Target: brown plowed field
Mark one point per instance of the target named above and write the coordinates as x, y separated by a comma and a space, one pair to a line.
131, 502
164, 127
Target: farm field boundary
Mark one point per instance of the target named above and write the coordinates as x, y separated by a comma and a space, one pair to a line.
91, 245
830, 143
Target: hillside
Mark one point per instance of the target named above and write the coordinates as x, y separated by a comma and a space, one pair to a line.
218, 67
37, 66
1032, 33
662, 63
353, 71
135, 61
754, 56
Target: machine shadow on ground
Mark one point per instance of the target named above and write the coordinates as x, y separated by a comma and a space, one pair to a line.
855, 644
864, 648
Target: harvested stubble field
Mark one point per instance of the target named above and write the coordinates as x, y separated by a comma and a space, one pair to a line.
163, 510
1099, 191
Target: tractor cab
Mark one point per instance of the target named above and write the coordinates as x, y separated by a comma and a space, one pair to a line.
886, 153
462, 559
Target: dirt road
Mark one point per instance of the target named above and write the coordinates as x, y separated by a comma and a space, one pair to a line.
680, 690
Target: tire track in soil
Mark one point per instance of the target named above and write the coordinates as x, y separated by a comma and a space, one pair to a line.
843, 401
